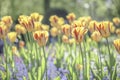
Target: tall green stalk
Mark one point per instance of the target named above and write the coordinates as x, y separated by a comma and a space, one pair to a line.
82, 62
109, 66
45, 56
6, 58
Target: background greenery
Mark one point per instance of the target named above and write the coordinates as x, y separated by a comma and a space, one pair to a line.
97, 9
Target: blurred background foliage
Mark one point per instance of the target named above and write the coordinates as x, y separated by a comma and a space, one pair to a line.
97, 9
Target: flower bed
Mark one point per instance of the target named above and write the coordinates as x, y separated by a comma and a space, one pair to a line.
79, 49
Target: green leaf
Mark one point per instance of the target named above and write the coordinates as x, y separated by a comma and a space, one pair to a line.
57, 78
30, 76
39, 73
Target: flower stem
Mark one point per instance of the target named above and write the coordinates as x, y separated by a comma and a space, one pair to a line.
45, 61
100, 61
109, 67
82, 61
6, 53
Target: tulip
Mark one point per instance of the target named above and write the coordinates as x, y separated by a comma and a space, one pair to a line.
116, 21
79, 67
27, 22
71, 17
36, 17
78, 33
12, 36
117, 45
20, 29
84, 21
21, 44
3, 30
66, 29
96, 36
76, 23
65, 39
41, 37
118, 32
56, 21
71, 41
93, 26
37, 26
54, 32
7, 20
105, 28
45, 27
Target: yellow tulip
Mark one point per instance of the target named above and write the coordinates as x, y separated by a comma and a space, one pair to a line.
117, 45
14, 49
41, 37
118, 32
76, 23
79, 67
71, 17
65, 39
116, 21
71, 41
105, 28
54, 32
78, 33
85, 20
56, 21
7, 20
93, 26
27, 22
96, 36
36, 17
37, 26
66, 29
20, 29
12, 36
3, 30
45, 27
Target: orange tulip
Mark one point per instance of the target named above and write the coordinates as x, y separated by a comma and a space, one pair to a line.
41, 37
117, 45
21, 44
78, 33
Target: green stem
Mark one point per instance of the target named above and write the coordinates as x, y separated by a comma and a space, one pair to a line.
86, 65
82, 61
100, 61
6, 59
109, 67
45, 56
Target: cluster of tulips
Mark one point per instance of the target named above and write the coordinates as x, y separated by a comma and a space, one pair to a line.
74, 50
